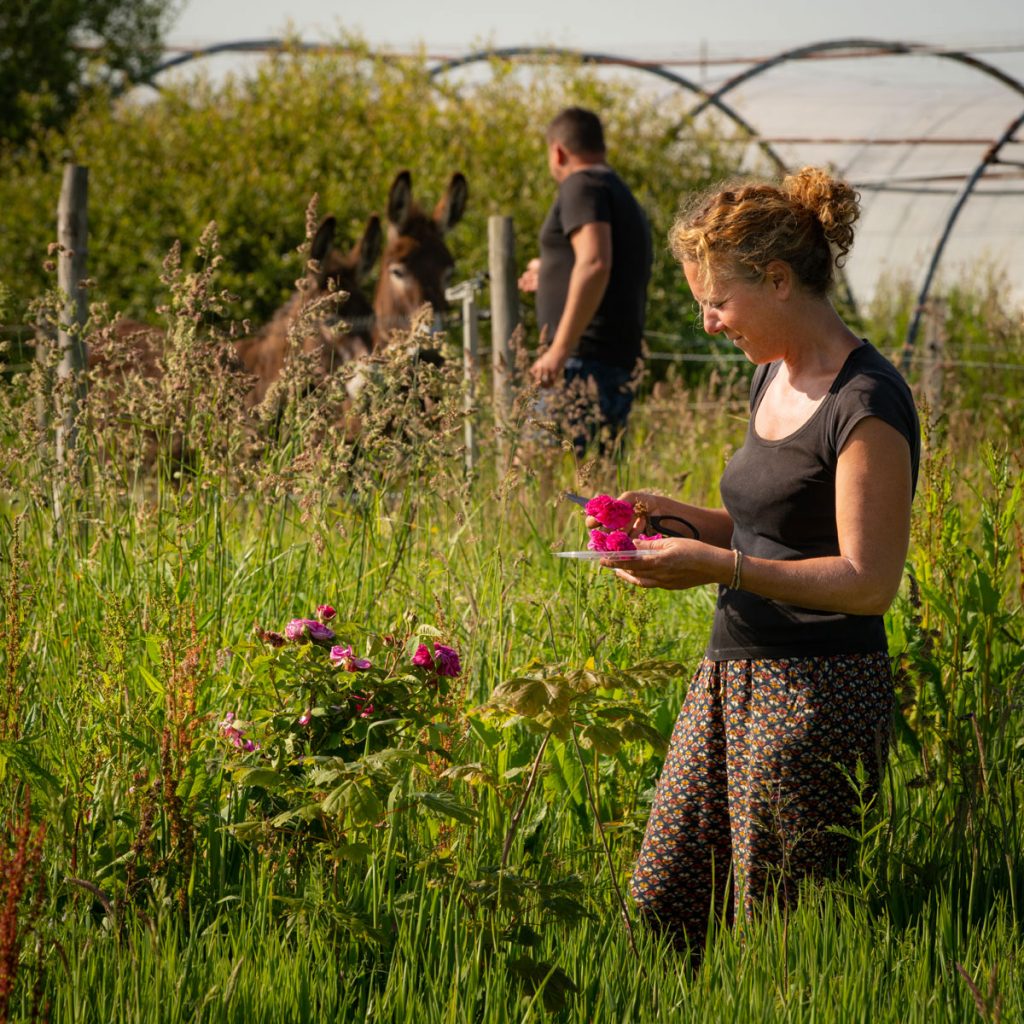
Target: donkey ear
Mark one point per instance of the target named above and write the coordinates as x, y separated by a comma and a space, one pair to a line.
322, 240
452, 205
368, 248
400, 199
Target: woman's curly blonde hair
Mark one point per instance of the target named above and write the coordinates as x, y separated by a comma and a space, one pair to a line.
737, 230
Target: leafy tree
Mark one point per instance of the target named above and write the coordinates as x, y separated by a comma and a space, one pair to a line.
54, 53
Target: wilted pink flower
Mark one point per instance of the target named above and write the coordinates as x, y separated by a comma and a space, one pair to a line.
609, 511
448, 663
422, 658
300, 629
270, 637
619, 540
324, 612
344, 657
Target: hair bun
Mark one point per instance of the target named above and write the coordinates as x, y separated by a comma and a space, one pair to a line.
835, 204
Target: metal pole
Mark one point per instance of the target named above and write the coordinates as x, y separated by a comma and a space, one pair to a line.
991, 156
501, 244
934, 358
466, 292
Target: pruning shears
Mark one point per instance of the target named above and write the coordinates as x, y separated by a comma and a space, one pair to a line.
659, 523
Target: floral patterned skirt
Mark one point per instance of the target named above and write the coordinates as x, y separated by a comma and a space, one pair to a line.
766, 756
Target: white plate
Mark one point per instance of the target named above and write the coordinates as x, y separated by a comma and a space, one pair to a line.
614, 556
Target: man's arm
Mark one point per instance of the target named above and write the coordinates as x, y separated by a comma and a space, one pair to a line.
592, 251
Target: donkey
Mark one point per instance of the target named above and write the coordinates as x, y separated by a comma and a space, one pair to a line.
416, 266
339, 332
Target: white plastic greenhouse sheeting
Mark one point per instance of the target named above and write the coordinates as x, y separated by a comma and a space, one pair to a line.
905, 97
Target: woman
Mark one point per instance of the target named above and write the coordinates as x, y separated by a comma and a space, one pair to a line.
795, 690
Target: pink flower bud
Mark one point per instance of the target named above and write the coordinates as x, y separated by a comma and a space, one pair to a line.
324, 612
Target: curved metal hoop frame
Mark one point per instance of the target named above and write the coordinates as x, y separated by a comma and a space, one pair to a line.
856, 47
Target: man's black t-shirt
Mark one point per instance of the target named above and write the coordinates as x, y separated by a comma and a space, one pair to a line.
782, 499
587, 196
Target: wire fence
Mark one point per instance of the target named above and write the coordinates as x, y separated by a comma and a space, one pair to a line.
678, 353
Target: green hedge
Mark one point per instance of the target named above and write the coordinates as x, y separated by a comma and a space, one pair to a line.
249, 152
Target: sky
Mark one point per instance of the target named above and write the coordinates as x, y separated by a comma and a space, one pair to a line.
642, 28
866, 98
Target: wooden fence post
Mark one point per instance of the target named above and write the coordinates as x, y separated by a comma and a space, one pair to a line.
72, 237
501, 246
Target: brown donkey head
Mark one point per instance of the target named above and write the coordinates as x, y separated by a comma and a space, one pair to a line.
416, 266
339, 331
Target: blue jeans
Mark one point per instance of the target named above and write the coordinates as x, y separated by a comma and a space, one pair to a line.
612, 387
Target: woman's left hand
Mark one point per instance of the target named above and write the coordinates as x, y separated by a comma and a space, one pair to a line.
681, 564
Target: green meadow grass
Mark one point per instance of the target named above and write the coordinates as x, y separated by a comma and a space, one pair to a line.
162, 892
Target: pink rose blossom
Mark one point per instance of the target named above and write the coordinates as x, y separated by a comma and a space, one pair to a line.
300, 629
448, 663
649, 536
422, 658
324, 612
610, 512
344, 657
235, 735
619, 540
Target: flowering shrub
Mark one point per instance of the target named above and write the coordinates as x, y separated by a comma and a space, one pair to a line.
340, 716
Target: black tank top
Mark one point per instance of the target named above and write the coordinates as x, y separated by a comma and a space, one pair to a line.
782, 499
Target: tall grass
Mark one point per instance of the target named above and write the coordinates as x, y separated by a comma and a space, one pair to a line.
175, 890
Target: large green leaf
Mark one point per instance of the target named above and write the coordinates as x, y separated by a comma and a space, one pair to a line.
554, 985
356, 801
446, 805
267, 778
529, 697
600, 738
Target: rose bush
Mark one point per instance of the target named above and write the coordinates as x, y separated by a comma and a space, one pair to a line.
338, 716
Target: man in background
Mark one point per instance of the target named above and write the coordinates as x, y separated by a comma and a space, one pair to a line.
591, 282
